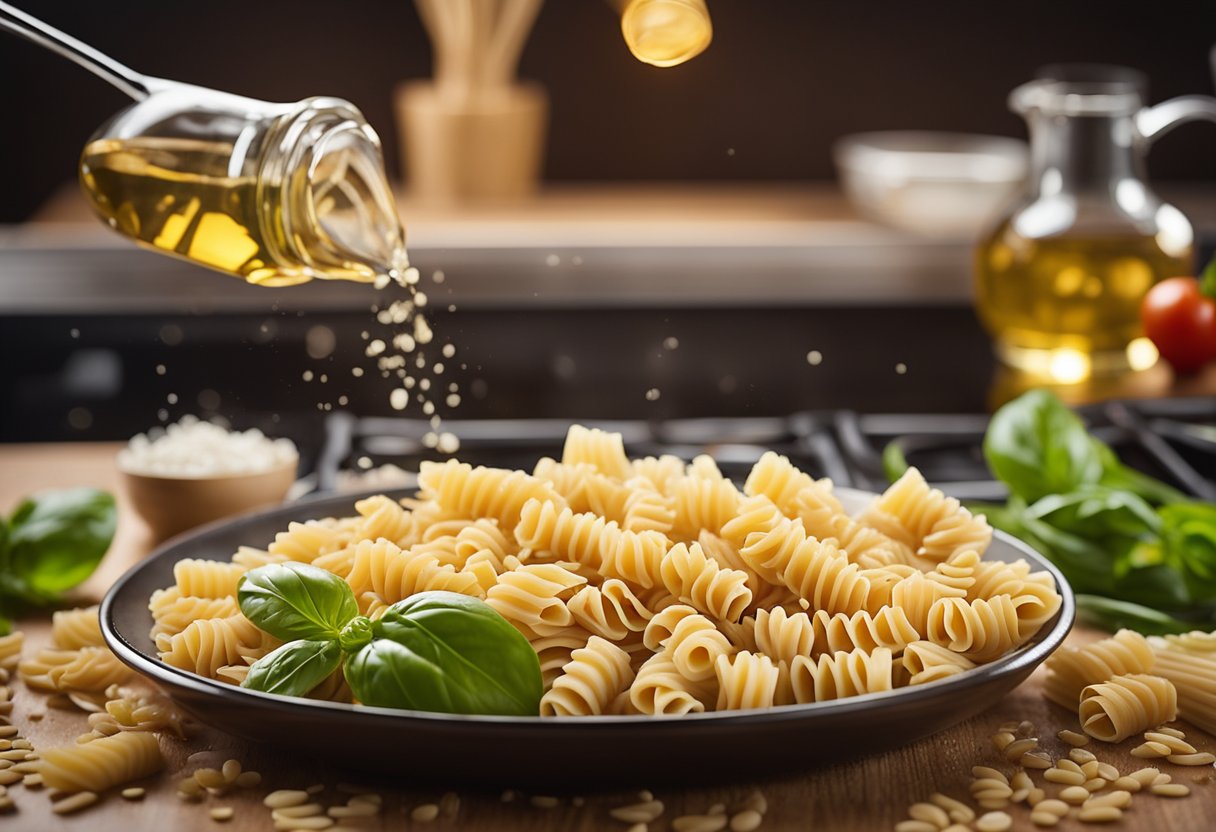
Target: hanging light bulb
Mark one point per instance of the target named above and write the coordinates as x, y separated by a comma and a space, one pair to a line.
666, 32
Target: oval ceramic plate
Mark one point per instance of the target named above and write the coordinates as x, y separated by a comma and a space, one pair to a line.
529, 751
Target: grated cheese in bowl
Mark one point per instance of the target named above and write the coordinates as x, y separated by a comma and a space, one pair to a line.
193, 448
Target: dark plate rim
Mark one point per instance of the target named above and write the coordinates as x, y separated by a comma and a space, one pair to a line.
1026, 657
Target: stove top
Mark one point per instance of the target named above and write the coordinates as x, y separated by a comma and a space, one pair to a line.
1172, 439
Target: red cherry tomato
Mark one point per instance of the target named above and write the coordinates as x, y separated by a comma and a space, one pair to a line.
1181, 320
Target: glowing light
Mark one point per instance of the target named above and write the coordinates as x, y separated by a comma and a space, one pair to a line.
666, 32
1141, 354
1069, 366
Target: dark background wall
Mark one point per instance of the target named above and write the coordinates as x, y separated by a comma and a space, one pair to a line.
782, 80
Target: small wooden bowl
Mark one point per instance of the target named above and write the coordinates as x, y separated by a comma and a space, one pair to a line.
171, 505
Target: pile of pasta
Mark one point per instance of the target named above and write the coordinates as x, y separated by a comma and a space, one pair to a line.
1128, 684
651, 586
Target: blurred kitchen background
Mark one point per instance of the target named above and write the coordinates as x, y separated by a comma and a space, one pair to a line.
689, 253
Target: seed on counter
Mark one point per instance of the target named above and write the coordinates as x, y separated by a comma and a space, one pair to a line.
1044, 818
1108, 772
8, 731
1074, 738
1150, 750
1074, 794
354, 809
958, 811
300, 810
285, 797
916, 826
1120, 799
248, 779
716, 809
210, 778
315, 788
1056, 807
1170, 790
699, 823
1036, 760
1080, 756
313, 822
221, 814
994, 822
133, 793
1145, 776
449, 804
32, 781
1036, 796
9, 777
646, 795
756, 800
231, 770
746, 821
75, 803
1063, 776
931, 813
1095, 784
1002, 740
1126, 783
645, 812
1174, 744
1100, 814
1173, 732
1201, 758
425, 813
7, 804
638, 827
544, 801
23, 744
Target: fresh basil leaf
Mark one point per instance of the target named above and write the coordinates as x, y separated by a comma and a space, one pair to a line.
1037, 446
386, 674
1088, 566
894, 461
294, 600
1117, 475
1096, 511
57, 538
1112, 614
295, 668
1189, 541
441, 651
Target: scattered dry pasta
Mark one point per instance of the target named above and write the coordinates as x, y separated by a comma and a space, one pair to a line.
647, 586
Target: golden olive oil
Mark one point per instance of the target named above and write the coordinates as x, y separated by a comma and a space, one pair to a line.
176, 196
1069, 306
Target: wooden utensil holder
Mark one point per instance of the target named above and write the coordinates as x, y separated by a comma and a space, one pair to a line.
485, 146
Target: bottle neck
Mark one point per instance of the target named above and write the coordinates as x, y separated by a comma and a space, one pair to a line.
1082, 155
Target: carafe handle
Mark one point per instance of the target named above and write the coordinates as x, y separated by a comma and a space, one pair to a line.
134, 84
1154, 122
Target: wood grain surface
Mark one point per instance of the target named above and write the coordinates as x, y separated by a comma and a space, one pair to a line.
872, 793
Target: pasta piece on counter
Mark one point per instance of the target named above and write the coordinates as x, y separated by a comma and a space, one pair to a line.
1124, 705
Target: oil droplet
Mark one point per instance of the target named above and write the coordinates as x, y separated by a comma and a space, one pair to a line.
422, 332
437, 369
375, 348
438, 276
430, 439
74, 332
324, 378
671, 343
425, 384
449, 350
160, 369
171, 398
814, 358
357, 372
343, 400
448, 443
307, 376
364, 462
553, 260
162, 415
730, 151
398, 399
453, 400
652, 395
428, 408
901, 368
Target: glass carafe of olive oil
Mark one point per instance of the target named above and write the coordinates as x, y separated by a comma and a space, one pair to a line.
275, 194
1060, 281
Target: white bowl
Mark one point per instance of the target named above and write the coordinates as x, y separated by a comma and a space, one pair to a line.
938, 184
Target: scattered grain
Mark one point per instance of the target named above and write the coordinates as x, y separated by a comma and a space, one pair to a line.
231, 770
699, 823
32, 781
1100, 814
299, 810
1036, 760
1074, 738
1150, 750
1044, 818
746, 821
248, 779
133, 793
1074, 794
929, 812
1120, 799
1170, 790
425, 813
285, 797
222, 814
1200, 758
645, 812
1080, 755
994, 822
75, 803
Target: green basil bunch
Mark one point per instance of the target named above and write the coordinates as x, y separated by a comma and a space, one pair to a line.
1140, 553
51, 543
434, 651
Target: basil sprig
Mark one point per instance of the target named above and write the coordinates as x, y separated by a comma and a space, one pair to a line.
434, 651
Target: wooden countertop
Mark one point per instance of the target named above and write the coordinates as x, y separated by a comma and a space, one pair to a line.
872, 793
